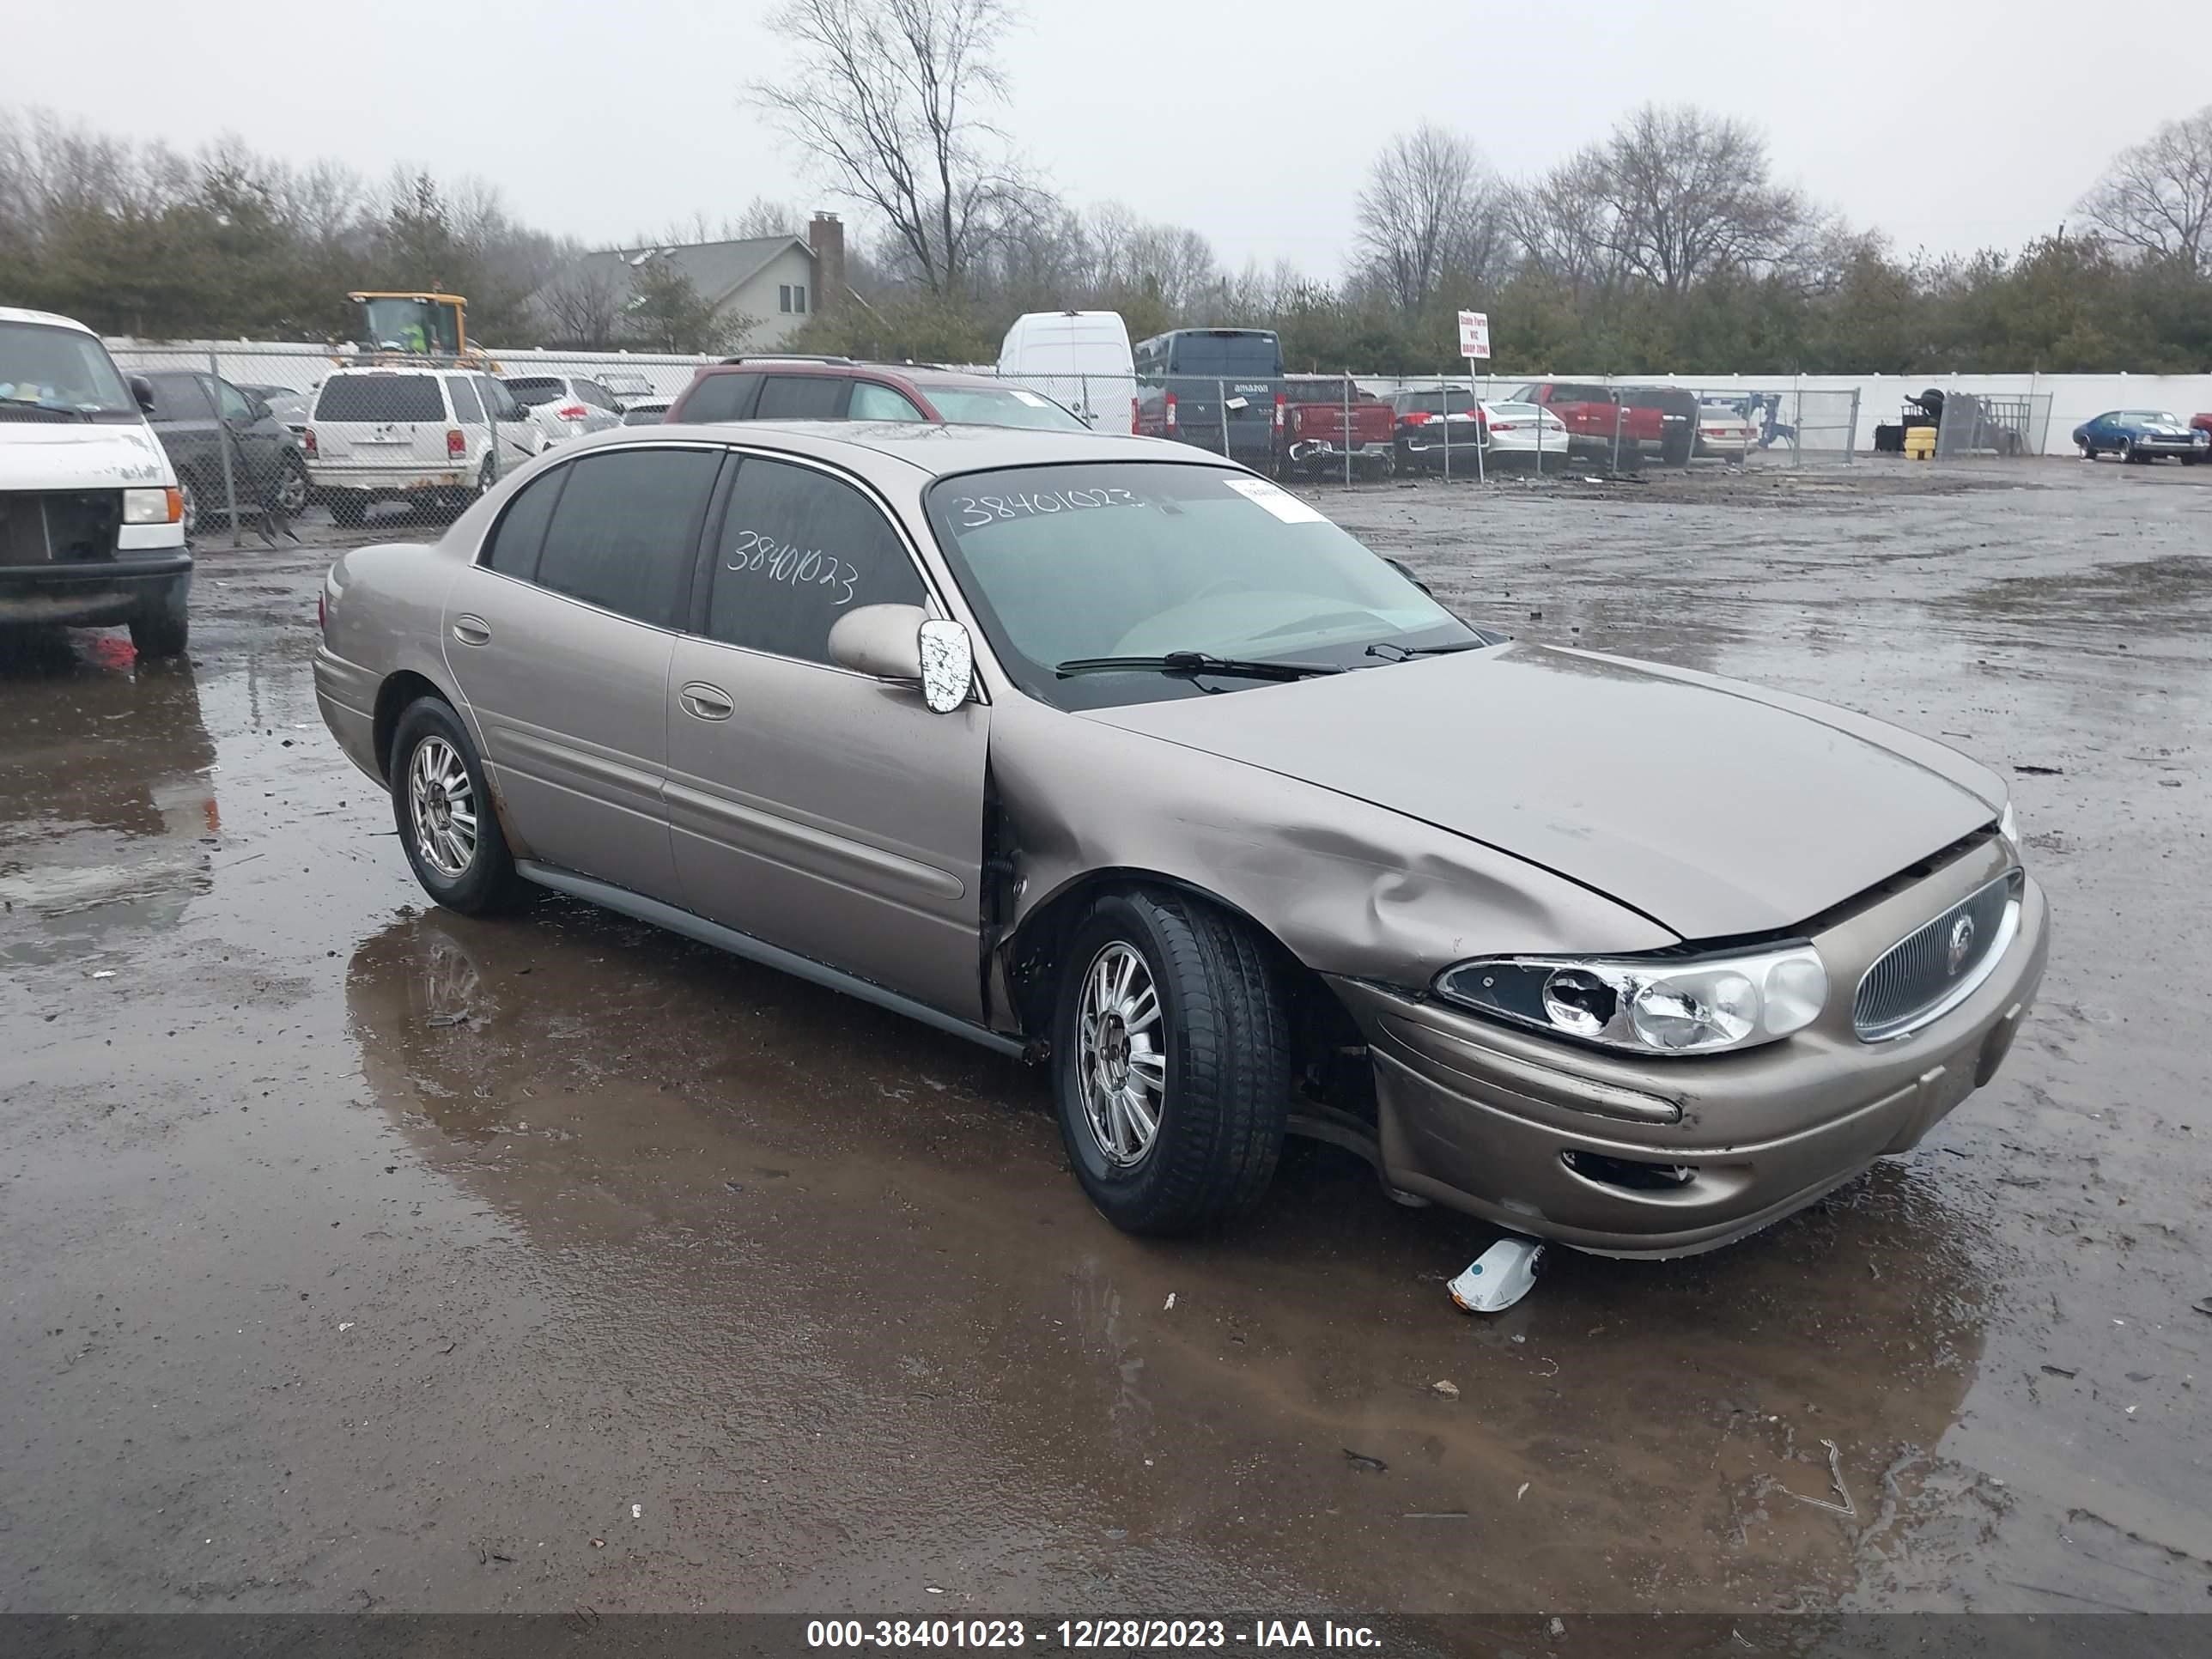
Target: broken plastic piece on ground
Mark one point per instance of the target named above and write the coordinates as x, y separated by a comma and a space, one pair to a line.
1499, 1276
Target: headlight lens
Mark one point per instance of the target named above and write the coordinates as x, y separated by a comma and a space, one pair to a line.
2008, 825
1650, 1005
152, 505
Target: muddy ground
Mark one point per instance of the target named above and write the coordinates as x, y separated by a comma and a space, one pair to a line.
353, 1255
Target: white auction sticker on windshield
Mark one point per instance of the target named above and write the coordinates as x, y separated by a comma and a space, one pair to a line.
1029, 398
1280, 502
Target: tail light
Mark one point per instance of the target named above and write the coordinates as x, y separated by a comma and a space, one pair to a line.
570, 411
1170, 417
456, 444
1279, 402
1136, 422
307, 443
1417, 417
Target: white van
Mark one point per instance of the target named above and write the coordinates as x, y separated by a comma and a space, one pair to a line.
92, 523
1080, 359
414, 435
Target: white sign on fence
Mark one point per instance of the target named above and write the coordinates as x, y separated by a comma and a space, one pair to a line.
1474, 334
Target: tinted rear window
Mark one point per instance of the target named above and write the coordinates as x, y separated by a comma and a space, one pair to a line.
1320, 391
536, 389
1247, 355
626, 531
381, 397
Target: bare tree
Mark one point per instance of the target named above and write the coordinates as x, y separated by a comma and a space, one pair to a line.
890, 98
1428, 204
583, 305
2156, 197
1686, 194
1561, 225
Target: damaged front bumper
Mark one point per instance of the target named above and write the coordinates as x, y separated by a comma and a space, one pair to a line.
1621, 1155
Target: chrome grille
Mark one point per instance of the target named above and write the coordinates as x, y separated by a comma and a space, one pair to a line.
1915, 979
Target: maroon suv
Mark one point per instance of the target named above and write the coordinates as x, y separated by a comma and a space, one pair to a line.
842, 389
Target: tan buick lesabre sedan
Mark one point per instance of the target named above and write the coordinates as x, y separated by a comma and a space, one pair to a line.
1111, 754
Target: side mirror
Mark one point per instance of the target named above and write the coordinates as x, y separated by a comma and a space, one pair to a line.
142, 390
905, 644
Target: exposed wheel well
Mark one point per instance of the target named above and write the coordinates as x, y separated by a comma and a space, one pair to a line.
1329, 1054
392, 698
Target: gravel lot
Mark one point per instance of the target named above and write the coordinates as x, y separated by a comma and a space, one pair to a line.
659, 1281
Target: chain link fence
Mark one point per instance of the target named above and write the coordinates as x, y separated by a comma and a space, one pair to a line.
263, 436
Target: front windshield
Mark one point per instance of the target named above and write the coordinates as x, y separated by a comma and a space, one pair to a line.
992, 405
2153, 417
58, 374
399, 325
1143, 558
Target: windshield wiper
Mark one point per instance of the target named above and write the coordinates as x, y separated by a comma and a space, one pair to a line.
1407, 651
1199, 662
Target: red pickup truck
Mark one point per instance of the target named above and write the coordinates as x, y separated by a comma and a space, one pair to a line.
1660, 418
1326, 416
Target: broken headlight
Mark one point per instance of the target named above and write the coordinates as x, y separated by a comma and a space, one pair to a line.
1650, 1005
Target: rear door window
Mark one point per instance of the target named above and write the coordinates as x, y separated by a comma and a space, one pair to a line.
512, 549
380, 397
625, 534
497, 399
721, 398
799, 547
802, 398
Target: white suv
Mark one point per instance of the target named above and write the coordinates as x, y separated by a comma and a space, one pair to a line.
566, 405
414, 435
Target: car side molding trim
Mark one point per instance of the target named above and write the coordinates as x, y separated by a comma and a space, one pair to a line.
770, 955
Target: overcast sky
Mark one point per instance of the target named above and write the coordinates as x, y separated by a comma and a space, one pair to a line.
1951, 125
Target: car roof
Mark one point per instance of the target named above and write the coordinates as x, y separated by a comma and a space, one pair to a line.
50, 319
935, 449
917, 373
397, 369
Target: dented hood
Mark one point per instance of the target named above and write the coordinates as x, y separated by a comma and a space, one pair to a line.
1713, 807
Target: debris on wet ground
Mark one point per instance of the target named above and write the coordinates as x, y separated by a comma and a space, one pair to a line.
1437, 1515
2202, 1305
2028, 771
1362, 1462
1168, 1305
1523, 1491
437, 1020
1499, 1276
2060, 1370
1449, 1390
1846, 1509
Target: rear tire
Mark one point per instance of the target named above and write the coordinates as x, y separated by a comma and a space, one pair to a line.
448, 827
161, 626
290, 495
1200, 1039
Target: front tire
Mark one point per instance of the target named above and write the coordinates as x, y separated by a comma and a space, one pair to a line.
290, 495
162, 627
1171, 1063
448, 825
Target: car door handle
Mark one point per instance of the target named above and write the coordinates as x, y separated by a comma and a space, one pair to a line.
471, 630
706, 702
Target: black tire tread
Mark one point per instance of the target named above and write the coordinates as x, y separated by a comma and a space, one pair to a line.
1232, 1080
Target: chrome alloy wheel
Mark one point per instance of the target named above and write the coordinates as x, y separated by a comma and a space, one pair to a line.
442, 806
1122, 1063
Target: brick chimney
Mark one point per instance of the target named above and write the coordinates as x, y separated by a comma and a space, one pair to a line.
826, 236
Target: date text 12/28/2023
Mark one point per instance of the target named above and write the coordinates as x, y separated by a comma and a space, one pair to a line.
1123, 1634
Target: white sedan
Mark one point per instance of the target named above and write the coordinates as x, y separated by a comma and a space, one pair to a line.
1524, 430
1724, 431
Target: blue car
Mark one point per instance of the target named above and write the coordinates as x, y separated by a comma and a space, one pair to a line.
2142, 434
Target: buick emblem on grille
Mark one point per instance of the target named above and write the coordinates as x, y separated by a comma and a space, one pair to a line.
1962, 941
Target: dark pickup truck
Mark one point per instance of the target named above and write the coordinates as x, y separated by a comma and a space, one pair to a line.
1219, 388
1327, 418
